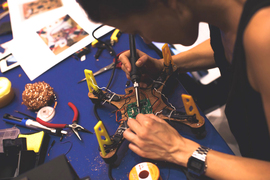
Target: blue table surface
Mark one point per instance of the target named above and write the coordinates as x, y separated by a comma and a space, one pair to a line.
84, 155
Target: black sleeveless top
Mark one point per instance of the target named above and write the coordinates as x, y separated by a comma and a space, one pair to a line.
244, 108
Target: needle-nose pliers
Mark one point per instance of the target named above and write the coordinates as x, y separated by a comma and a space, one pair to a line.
74, 126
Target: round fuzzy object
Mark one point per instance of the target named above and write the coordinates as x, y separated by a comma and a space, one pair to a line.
37, 95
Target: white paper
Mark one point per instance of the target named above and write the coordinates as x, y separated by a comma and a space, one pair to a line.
31, 51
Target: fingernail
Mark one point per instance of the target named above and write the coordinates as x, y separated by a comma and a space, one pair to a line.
138, 63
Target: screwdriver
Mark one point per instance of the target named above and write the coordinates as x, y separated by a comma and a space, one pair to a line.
134, 74
29, 123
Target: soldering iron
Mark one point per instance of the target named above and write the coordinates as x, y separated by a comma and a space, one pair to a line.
134, 74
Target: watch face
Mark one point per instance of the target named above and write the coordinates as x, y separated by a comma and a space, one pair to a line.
196, 166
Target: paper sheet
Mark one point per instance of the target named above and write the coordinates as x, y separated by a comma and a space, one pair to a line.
43, 38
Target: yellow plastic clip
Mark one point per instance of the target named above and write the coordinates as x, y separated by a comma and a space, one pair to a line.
191, 107
167, 57
101, 132
114, 36
91, 81
168, 63
94, 43
5, 6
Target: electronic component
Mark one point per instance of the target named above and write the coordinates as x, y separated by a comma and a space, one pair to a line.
146, 108
81, 54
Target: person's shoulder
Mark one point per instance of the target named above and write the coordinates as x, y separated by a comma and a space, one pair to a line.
257, 48
257, 32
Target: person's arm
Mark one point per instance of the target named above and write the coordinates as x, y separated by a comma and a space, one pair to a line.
199, 57
225, 166
257, 47
152, 137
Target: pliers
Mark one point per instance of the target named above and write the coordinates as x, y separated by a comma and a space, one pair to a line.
74, 126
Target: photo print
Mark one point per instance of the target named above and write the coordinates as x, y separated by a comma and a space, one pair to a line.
36, 7
61, 34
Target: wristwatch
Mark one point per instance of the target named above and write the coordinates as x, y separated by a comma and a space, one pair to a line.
196, 163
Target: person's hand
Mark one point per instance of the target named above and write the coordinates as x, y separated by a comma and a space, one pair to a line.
149, 67
153, 138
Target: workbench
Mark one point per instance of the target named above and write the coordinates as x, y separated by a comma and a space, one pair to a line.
84, 155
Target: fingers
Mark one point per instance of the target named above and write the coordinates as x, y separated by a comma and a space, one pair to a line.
148, 120
129, 135
124, 58
149, 67
154, 117
141, 61
137, 150
134, 125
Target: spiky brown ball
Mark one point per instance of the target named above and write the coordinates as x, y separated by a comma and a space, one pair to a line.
37, 95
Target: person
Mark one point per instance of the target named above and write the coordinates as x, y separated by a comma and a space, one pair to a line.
239, 45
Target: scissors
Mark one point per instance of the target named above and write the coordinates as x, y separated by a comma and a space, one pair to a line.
74, 126
115, 62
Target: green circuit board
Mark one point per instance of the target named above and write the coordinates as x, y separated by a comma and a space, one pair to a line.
146, 108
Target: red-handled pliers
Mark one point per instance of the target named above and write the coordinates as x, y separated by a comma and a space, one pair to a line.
74, 126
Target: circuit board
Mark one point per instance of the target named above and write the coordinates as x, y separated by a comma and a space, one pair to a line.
146, 108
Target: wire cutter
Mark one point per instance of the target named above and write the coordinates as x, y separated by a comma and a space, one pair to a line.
74, 126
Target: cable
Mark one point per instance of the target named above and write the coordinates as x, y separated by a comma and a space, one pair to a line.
112, 52
71, 144
48, 152
110, 172
98, 103
95, 111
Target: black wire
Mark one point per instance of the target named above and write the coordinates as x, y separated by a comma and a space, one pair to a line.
112, 52
110, 172
155, 100
95, 111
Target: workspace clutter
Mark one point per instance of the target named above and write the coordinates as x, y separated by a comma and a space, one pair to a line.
6, 92
70, 104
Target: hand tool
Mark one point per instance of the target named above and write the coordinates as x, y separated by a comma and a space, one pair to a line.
32, 117
28, 123
106, 68
74, 126
101, 45
134, 74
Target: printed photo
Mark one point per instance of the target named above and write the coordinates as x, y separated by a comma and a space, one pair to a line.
61, 34
36, 7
